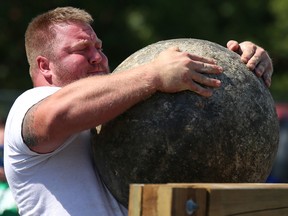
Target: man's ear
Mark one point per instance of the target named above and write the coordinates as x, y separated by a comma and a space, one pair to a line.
44, 67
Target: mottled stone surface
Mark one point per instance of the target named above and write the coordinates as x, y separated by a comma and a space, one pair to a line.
229, 137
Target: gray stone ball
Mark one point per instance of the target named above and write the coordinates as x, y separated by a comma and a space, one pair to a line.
231, 136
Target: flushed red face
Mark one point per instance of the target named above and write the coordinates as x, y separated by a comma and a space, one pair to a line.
77, 54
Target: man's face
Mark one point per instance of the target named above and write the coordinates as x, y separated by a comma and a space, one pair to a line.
77, 54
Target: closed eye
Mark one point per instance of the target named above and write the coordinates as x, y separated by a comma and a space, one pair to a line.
81, 46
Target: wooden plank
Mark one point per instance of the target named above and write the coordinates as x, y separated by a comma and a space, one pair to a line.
246, 200
164, 200
211, 199
184, 199
150, 199
135, 200
267, 212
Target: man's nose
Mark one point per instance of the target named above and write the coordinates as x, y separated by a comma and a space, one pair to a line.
96, 57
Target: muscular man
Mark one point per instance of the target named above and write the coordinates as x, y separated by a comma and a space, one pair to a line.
48, 158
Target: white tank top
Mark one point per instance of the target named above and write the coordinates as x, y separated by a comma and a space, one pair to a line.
63, 182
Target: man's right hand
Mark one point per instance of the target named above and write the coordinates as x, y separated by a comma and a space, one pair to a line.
178, 71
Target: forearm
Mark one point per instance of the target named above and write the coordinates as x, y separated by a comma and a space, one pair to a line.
84, 104
99, 99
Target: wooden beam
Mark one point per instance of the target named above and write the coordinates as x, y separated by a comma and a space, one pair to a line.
208, 199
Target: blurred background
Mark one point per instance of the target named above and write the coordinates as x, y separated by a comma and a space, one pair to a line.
126, 26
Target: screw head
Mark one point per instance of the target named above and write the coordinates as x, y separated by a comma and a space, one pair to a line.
191, 207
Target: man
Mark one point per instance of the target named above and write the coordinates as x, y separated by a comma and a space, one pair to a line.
47, 150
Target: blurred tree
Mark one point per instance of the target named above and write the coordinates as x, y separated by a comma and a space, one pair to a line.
279, 30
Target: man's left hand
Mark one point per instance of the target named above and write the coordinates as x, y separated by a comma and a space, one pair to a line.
255, 57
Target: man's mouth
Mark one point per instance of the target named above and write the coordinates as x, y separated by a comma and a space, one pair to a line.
96, 73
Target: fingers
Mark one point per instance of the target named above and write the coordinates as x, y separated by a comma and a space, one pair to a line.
174, 48
234, 46
248, 54
206, 81
200, 58
203, 64
205, 92
198, 87
199, 66
200, 83
255, 57
194, 57
178, 71
264, 69
207, 68
261, 64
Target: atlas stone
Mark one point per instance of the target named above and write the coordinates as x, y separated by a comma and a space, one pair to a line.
231, 136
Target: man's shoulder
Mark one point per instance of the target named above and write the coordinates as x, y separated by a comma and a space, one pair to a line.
42, 90
35, 94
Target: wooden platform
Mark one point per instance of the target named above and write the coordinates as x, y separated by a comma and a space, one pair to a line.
208, 199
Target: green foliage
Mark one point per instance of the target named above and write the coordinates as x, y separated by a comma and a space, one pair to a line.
279, 31
126, 26
279, 88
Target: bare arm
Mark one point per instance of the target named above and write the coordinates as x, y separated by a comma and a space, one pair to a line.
92, 101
